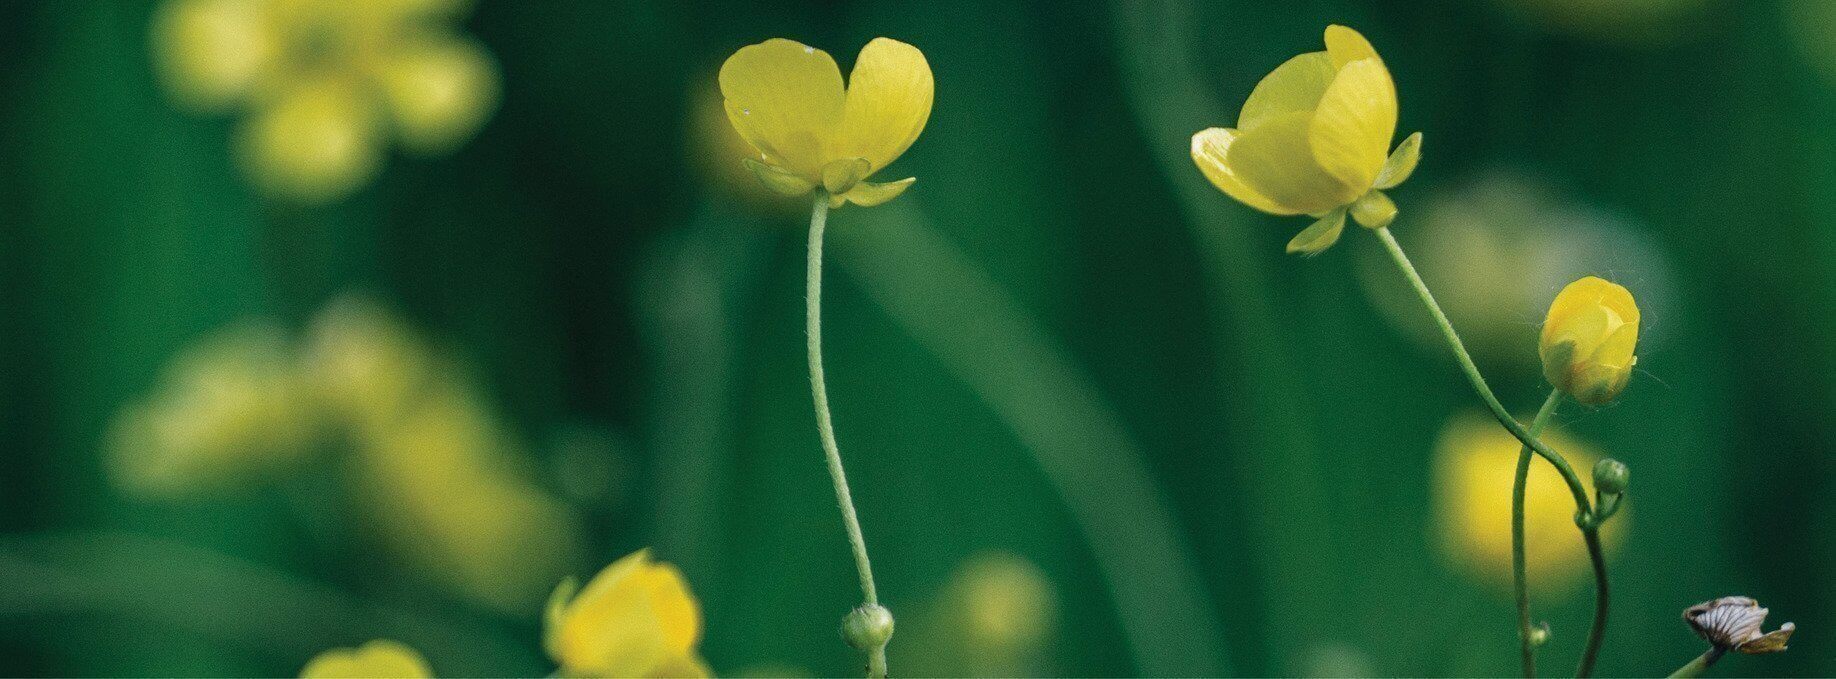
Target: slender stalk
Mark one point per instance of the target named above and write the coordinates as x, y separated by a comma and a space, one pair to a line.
1472, 371
1596, 633
1584, 518
819, 391
1520, 580
1699, 666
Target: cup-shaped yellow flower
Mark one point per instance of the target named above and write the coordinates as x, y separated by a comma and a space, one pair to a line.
788, 101
1588, 340
380, 658
1314, 138
635, 619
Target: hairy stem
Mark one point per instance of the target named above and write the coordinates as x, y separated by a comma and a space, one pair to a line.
1700, 665
1597, 632
819, 391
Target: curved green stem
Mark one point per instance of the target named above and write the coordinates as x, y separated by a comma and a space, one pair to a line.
1699, 666
1584, 517
1472, 372
1520, 581
819, 392
1597, 632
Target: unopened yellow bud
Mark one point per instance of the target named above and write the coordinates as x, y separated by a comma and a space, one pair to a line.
1588, 340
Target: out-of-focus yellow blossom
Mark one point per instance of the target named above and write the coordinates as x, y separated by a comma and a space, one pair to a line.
365, 364
327, 83
442, 484
1588, 340
229, 409
1475, 466
636, 618
1314, 138
787, 100
381, 658
1007, 603
433, 465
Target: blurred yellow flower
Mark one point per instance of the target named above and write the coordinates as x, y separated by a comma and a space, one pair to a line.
1006, 603
433, 465
636, 618
229, 408
1588, 340
788, 101
1314, 138
1475, 462
326, 82
379, 658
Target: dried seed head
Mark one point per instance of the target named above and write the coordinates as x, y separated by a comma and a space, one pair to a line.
1733, 623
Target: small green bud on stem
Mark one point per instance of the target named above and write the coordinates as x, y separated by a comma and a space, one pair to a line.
1611, 476
868, 628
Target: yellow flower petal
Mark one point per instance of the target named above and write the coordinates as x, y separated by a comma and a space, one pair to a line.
1296, 85
1322, 234
318, 142
636, 618
1275, 160
786, 99
380, 658
440, 90
1352, 127
675, 608
212, 53
1346, 45
888, 102
869, 194
1210, 147
1401, 163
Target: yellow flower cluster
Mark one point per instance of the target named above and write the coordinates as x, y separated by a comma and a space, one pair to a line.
430, 463
327, 83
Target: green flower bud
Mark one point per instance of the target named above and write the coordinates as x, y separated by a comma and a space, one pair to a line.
868, 627
1611, 476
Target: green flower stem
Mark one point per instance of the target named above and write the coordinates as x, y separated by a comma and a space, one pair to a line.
1699, 666
819, 391
1597, 632
1584, 518
1520, 582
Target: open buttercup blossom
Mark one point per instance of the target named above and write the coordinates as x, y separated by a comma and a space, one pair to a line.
380, 658
1732, 623
636, 618
1314, 139
326, 83
1588, 340
788, 101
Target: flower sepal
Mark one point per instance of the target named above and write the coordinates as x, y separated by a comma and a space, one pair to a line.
779, 181
869, 194
1401, 163
1322, 234
1374, 210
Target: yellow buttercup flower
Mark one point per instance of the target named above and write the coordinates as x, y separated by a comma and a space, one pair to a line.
1475, 465
788, 101
377, 659
635, 619
327, 83
1314, 138
1588, 340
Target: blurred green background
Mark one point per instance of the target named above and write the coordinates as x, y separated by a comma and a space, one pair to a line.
1081, 394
